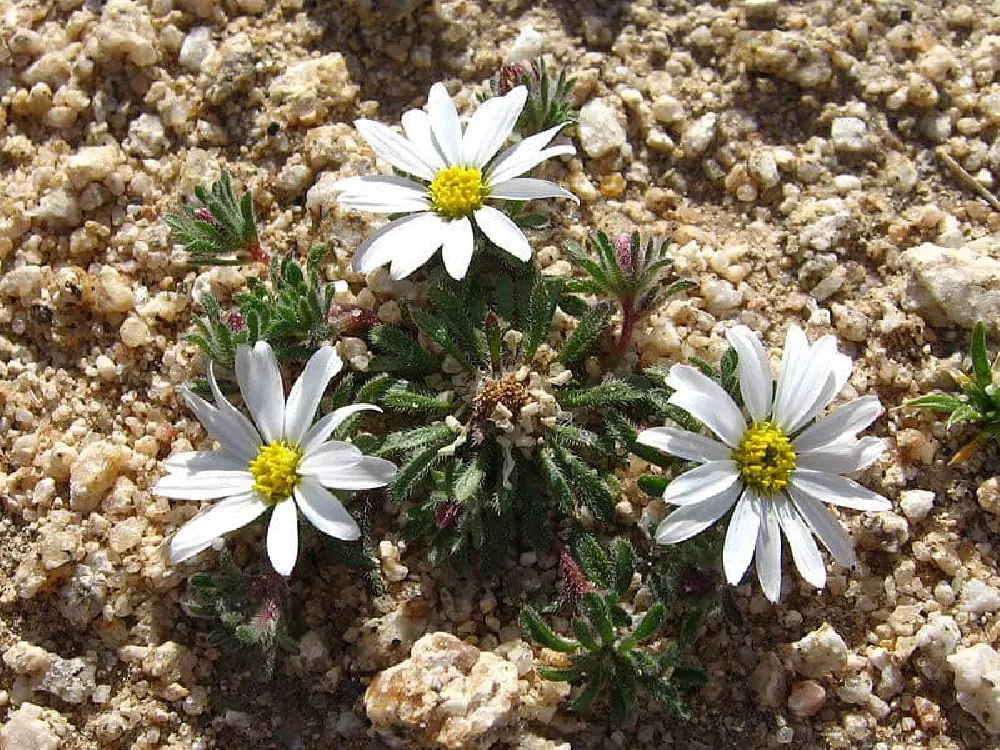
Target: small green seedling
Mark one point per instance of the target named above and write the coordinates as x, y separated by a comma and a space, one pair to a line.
979, 401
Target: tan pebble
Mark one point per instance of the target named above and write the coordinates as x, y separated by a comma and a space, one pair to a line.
807, 697
612, 186
928, 714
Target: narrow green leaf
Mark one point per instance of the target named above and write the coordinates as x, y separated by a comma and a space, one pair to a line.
980, 360
584, 636
652, 485
599, 615
580, 343
592, 559
558, 675
624, 565
536, 629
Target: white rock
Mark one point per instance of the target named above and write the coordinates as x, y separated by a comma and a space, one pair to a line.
59, 206
599, 127
309, 89
126, 30
977, 683
939, 636
528, 45
957, 285
850, 135
447, 693
146, 136
196, 47
92, 164
32, 728
916, 504
668, 109
978, 597
699, 134
820, 653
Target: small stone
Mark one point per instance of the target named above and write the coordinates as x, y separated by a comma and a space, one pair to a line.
196, 47
59, 207
820, 653
308, 90
32, 728
916, 504
600, 128
668, 109
850, 135
92, 164
447, 694
977, 683
978, 597
146, 136
699, 134
93, 473
126, 534
988, 495
134, 332
856, 688
807, 697
769, 682
957, 285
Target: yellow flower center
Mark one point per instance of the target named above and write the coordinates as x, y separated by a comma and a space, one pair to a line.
765, 458
457, 191
275, 471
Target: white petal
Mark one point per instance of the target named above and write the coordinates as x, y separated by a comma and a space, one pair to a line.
366, 474
768, 554
701, 483
191, 462
325, 512
805, 553
395, 149
839, 371
741, 538
260, 383
503, 232
524, 156
416, 233
225, 516
384, 194
843, 457
846, 421
528, 188
490, 126
283, 537
705, 400
419, 250
755, 372
223, 426
689, 520
837, 490
242, 438
457, 250
793, 361
813, 386
826, 527
334, 454
320, 431
204, 485
304, 397
445, 126
417, 126
685, 444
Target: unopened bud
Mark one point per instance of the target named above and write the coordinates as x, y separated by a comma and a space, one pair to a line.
234, 321
510, 77
623, 253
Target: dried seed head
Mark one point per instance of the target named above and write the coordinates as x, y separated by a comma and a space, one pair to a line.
507, 391
623, 253
574, 582
510, 77
446, 515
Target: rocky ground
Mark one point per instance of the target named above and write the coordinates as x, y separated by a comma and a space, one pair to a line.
818, 162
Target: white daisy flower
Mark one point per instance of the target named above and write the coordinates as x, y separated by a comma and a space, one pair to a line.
282, 464
777, 474
462, 175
